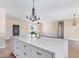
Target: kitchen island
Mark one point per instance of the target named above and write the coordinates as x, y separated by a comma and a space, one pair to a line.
44, 47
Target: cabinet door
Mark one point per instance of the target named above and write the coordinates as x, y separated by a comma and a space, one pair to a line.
18, 49
26, 50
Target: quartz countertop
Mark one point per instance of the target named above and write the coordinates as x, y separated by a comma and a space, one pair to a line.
58, 46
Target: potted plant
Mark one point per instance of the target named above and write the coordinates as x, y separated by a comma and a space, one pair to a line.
33, 34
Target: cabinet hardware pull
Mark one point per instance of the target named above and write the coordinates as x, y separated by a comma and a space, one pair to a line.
39, 53
25, 54
24, 45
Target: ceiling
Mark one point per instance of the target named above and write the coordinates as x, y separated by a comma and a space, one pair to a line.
46, 9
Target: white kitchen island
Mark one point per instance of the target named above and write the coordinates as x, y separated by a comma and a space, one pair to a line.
44, 47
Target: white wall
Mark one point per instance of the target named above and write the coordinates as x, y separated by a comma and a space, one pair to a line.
71, 32
38, 28
9, 25
2, 27
2, 20
49, 28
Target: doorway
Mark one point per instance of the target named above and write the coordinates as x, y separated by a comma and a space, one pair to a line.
61, 29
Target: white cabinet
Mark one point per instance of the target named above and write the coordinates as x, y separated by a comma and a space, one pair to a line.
24, 50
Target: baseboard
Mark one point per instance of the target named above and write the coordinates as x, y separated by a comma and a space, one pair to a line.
7, 38
2, 46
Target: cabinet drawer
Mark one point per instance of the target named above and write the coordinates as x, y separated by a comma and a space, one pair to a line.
41, 53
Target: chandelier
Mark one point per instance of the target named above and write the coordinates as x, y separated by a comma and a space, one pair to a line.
33, 16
